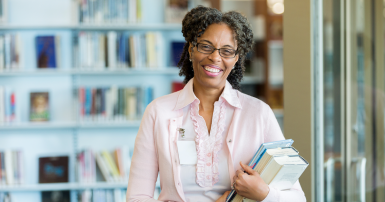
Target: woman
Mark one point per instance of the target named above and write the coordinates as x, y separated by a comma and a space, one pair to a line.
197, 137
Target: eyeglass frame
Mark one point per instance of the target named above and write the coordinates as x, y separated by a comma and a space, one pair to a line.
214, 49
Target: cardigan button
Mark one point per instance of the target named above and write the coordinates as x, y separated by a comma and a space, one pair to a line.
230, 140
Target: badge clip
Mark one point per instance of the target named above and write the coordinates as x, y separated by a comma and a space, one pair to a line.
181, 132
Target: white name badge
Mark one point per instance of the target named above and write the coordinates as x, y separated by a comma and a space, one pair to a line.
187, 152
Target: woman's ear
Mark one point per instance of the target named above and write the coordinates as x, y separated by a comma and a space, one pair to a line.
190, 50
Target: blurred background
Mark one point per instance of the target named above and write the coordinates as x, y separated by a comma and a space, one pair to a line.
76, 76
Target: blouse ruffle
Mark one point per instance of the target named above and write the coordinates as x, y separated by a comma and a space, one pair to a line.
208, 147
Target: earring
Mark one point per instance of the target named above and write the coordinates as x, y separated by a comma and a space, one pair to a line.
190, 60
233, 67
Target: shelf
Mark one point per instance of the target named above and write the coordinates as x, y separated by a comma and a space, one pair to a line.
69, 125
69, 71
106, 27
64, 186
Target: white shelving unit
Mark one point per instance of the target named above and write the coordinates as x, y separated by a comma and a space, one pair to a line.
64, 135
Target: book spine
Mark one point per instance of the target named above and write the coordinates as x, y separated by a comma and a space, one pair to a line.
2, 53
2, 106
8, 167
111, 165
2, 171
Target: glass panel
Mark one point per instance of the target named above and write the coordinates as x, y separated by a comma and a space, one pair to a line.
365, 103
332, 37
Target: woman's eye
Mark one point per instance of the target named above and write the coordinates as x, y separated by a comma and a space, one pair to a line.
227, 51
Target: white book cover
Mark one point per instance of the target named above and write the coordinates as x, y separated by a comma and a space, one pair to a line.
126, 160
9, 167
7, 51
2, 105
21, 167
4, 11
111, 49
2, 59
7, 103
58, 51
103, 167
159, 49
118, 195
132, 11
102, 48
89, 51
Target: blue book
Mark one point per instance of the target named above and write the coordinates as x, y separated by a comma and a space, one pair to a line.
258, 155
176, 52
88, 102
46, 52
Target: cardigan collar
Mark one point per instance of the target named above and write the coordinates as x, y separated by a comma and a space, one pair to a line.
187, 96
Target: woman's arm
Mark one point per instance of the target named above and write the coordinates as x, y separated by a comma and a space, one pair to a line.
144, 165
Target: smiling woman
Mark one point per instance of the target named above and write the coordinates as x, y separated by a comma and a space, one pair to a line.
195, 139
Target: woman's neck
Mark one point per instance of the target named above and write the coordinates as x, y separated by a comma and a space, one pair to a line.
207, 96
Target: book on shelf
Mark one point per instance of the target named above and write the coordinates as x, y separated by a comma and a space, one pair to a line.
177, 86
10, 49
3, 11
102, 195
176, 10
113, 103
5, 197
176, 51
47, 51
39, 106
11, 167
110, 11
117, 50
56, 196
278, 164
8, 113
113, 167
53, 169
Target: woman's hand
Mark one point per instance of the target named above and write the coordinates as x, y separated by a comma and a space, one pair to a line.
223, 197
250, 184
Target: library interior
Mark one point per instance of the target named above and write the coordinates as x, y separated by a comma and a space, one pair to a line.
77, 75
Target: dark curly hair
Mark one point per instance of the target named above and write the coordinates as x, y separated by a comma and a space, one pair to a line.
194, 25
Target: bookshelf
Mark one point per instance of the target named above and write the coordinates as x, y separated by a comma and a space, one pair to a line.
64, 134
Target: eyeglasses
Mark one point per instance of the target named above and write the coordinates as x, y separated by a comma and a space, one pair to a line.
223, 52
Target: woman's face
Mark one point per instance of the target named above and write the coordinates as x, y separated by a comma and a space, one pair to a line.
212, 70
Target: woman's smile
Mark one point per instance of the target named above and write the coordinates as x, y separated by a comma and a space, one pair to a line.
212, 70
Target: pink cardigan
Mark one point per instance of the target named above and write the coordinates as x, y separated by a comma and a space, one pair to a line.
155, 146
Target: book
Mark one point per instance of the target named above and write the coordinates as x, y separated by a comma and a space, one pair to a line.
3, 11
278, 164
53, 169
176, 51
176, 10
55, 196
39, 106
112, 103
46, 51
111, 165
177, 86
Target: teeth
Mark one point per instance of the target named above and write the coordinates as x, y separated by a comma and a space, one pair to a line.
212, 69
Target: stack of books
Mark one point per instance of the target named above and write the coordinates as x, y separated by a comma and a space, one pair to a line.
110, 11
7, 105
10, 49
113, 104
278, 164
114, 167
11, 167
117, 50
